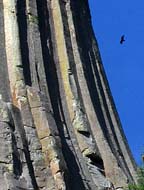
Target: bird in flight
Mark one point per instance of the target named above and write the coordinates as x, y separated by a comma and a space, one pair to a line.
122, 39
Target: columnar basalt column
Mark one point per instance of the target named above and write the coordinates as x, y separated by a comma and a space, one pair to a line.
59, 126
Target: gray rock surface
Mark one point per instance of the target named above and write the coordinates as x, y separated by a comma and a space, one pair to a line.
59, 129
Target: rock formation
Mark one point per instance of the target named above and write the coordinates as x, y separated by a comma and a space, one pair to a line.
59, 129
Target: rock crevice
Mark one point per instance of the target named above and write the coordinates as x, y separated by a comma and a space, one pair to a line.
59, 128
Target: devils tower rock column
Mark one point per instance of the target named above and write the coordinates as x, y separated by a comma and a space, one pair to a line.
59, 125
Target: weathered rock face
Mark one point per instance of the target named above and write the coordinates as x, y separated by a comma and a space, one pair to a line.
59, 129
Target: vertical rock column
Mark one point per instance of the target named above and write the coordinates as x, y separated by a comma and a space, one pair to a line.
18, 92
76, 27
49, 137
35, 148
6, 148
128, 158
63, 68
4, 80
62, 52
61, 129
12, 46
84, 55
79, 131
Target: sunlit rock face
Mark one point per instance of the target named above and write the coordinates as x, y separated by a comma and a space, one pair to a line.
59, 129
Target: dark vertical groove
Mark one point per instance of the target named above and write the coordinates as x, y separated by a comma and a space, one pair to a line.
22, 24
19, 125
30, 165
49, 58
17, 165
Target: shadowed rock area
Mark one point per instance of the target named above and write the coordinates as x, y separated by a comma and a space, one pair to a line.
59, 128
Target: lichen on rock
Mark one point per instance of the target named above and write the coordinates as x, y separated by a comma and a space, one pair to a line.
59, 129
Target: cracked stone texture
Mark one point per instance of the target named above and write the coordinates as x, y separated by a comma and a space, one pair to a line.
59, 128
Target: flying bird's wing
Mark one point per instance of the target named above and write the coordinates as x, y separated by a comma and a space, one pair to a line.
122, 39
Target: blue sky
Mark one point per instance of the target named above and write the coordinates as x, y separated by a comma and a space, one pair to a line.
124, 64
